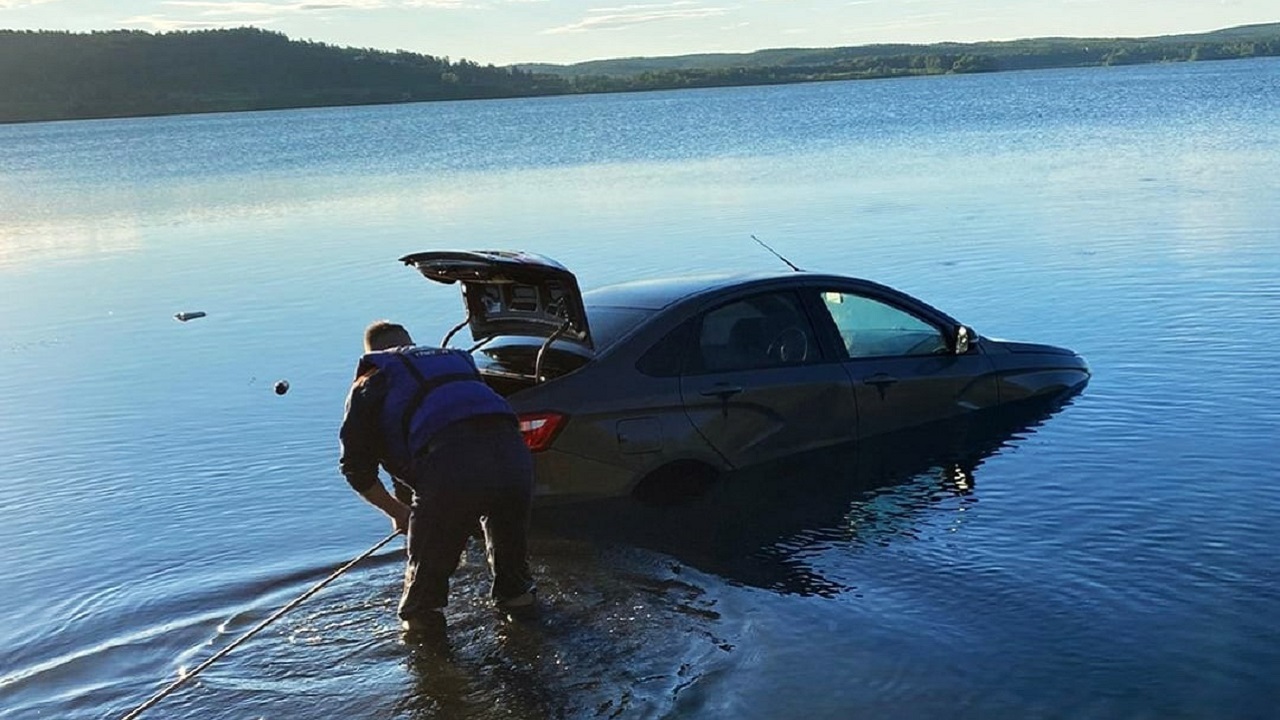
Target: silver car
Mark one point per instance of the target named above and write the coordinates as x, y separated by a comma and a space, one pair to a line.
660, 386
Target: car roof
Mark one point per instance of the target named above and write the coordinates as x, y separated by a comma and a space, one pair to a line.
657, 293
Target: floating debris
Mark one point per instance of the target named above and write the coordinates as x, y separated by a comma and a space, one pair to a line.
185, 316
282, 387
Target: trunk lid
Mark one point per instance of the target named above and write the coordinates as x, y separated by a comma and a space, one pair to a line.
511, 293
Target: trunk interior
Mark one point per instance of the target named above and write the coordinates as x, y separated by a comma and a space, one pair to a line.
506, 385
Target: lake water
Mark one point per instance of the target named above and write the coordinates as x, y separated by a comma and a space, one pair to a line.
1115, 560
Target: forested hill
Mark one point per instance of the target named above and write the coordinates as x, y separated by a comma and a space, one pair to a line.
57, 75
888, 60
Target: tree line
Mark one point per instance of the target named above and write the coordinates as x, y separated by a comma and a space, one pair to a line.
59, 75
883, 61
46, 75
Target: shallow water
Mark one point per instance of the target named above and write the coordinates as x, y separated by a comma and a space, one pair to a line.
1114, 559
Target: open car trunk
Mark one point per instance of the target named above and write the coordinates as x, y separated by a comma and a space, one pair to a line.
507, 386
524, 312
511, 364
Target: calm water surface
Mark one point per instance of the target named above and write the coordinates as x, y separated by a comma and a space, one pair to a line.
1114, 560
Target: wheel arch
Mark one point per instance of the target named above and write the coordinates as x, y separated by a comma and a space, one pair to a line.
676, 481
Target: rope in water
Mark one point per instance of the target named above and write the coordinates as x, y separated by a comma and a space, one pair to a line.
240, 640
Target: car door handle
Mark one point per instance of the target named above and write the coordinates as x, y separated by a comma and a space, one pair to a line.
722, 391
880, 380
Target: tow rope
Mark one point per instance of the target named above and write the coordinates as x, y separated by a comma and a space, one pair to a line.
240, 640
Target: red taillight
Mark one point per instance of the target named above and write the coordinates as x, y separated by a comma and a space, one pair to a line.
539, 429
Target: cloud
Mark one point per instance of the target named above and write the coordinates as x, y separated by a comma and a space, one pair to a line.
15, 4
206, 14
160, 23
445, 4
209, 8
203, 14
628, 15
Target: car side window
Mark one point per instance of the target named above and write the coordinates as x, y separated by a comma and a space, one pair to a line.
762, 331
870, 328
667, 356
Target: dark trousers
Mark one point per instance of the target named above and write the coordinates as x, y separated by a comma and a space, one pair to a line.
476, 473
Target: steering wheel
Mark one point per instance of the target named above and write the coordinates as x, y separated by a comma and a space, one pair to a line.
930, 345
789, 346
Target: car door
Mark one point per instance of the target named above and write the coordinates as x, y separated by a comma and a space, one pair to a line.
900, 358
757, 384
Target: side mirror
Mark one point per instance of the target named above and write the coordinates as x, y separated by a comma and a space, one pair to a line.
964, 337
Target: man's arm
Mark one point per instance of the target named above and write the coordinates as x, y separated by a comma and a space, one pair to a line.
377, 496
360, 442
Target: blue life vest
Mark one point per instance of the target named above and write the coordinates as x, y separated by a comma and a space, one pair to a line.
427, 390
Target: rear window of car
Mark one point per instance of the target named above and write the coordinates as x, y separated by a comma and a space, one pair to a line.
609, 323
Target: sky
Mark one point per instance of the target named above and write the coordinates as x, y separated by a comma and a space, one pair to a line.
565, 31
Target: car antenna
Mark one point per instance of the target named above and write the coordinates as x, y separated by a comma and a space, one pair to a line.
776, 254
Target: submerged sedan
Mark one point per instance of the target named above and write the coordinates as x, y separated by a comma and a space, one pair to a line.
659, 386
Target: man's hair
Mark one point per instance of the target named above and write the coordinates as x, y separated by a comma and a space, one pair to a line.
383, 334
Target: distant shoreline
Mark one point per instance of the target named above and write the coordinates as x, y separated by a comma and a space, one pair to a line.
47, 76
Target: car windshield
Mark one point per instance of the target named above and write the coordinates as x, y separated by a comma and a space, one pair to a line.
609, 323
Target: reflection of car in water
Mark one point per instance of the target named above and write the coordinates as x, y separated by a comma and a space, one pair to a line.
758, 527
634, 388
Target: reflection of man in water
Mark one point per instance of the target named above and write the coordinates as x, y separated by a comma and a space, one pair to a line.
428, 418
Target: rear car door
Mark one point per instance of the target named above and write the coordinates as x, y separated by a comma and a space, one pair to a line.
758, 385
899, 356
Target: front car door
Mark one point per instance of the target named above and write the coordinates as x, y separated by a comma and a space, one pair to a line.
759, 386
899, 354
